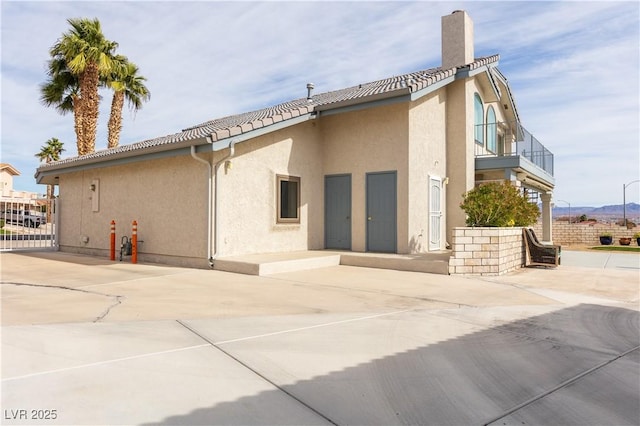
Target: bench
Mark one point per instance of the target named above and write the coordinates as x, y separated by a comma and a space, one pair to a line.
539, 254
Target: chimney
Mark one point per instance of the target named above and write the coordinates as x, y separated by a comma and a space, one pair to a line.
457, 39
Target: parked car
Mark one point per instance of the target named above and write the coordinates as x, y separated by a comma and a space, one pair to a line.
27, 218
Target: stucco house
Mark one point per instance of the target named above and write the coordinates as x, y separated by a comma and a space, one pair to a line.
377, 167
7, 172
11, 198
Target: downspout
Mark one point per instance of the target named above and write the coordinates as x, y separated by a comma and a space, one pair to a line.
212, 220
195, 157
215, 202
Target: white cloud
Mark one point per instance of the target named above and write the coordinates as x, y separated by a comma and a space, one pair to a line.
573, 67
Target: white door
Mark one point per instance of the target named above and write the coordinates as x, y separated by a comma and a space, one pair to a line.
435, 213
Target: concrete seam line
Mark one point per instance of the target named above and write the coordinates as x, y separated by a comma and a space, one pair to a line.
560, 386
362, 290
257, 373
328, 324
109, 361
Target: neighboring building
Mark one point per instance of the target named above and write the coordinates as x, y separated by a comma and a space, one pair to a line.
7, 172
378, 167
8, 195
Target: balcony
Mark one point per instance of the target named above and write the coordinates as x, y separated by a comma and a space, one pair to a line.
511, 139
504, 148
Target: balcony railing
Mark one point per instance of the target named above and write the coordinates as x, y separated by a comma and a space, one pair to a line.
510, 139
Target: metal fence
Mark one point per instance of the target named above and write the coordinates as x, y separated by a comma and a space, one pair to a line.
28, 224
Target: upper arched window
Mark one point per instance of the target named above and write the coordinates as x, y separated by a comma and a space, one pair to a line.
478, 119
492, 129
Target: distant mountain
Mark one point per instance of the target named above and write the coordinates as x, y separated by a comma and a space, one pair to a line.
633, 209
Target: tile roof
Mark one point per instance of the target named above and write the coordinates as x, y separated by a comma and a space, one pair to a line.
226, 127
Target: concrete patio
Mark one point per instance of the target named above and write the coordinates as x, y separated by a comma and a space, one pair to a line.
89, 341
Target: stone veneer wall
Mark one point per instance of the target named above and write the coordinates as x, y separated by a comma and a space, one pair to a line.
486, 251
585, 233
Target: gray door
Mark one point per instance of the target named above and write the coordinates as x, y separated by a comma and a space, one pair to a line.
381, 212
337, 212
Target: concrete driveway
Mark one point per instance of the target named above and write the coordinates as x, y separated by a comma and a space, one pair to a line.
88, 341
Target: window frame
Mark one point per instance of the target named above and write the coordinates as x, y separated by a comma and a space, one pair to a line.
279, 218
478, 113
492, 130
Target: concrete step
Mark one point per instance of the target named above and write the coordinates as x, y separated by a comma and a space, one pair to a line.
274, 263
435, 263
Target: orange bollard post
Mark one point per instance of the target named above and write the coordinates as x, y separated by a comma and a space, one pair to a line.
134, 243
112, 252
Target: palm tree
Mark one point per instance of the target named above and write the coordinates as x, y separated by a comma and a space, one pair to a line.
126, 84
87, 55
62, 91
49, 152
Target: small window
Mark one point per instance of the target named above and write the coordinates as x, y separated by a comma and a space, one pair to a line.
478, 118
288, 199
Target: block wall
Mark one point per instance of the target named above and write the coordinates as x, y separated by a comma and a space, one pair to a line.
486, 251
585, 233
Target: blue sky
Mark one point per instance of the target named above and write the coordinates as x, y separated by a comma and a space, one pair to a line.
573, 68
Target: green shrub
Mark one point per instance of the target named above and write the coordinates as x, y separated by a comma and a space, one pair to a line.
498, 204
1, 223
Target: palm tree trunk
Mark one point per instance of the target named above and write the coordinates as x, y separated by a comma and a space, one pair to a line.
115, 119
77, 123
89, 93
49, 197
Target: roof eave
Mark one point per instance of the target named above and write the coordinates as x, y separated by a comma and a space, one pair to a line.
221, 144
116, 158
47, 175
510, 96
10, 169
433, 87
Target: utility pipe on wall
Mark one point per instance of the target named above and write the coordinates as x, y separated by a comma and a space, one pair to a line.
212, 220
195, 157
215, 203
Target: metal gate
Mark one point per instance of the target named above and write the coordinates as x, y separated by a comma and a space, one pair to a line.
28, 224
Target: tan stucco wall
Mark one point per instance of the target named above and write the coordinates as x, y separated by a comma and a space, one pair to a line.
166, 198
460, 149
427, 147
6, 181
248, 197
366, 141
